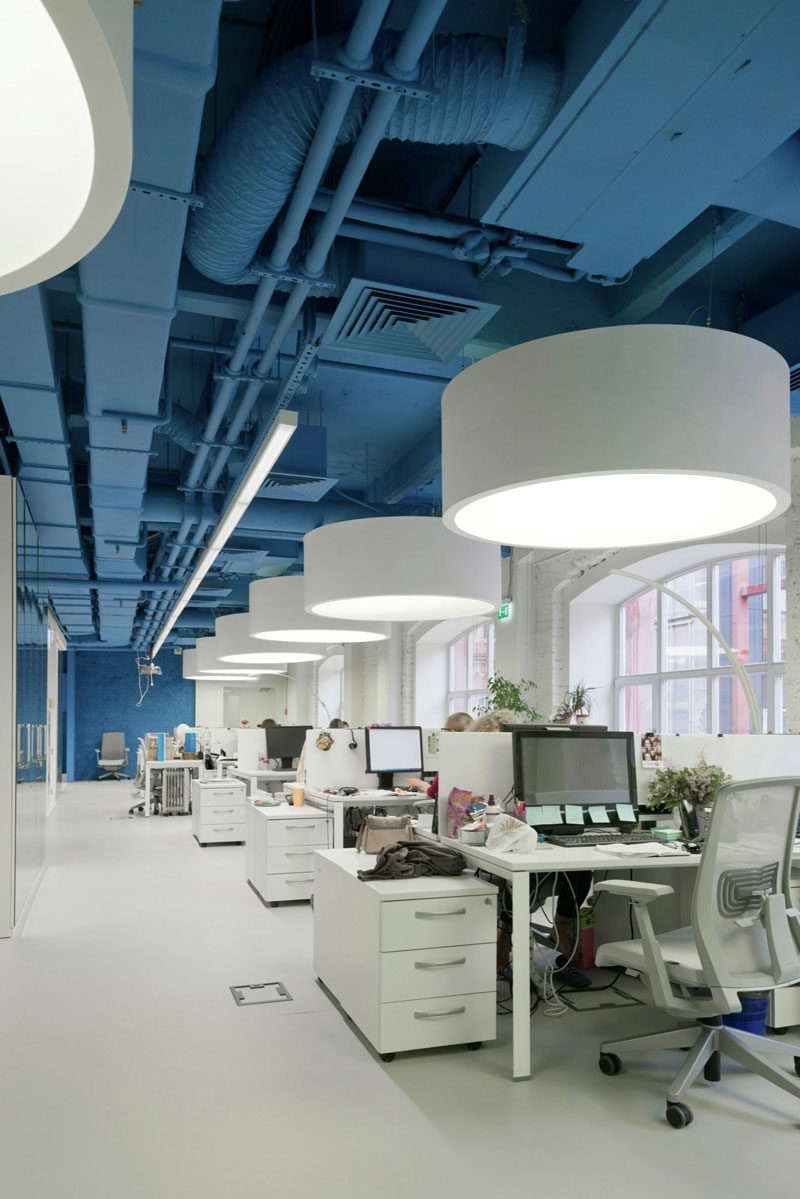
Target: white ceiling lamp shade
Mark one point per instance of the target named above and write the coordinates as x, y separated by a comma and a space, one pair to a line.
66, 73
236, 647
193, 674
398, 568
277, 613
624, 436
206, 652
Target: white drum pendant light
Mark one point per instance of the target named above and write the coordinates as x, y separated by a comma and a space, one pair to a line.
398, 568
191, 672
208, 663
236, 648
277, 613
625, 436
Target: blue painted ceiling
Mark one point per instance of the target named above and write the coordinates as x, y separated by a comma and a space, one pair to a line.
653, 174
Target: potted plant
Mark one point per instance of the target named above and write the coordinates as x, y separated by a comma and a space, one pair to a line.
505, 694
690, 789
580, 701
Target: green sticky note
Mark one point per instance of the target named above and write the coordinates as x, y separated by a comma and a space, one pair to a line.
551, 814
573, 813
533, 815
598, 815
625, 812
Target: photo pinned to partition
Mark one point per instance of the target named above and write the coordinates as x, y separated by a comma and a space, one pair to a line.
650, 752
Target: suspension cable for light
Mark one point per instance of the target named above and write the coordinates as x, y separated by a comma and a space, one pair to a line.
262, 460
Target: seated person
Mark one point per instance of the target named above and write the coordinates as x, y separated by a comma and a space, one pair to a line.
456, 722
338, 723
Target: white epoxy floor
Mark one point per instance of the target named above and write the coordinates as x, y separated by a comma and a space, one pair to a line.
128, 1072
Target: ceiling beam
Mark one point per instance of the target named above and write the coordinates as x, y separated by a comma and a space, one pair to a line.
417, 466
654, 281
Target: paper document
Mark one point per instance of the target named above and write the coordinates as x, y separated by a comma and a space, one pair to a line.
573, 814
551, 814
625, 812
646, 849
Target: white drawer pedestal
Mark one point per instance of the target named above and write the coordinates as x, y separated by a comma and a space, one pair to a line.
784, 1004
411, 961
218, 811
279, 853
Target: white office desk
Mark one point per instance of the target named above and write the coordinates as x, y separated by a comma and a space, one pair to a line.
189, 764
252, 777
517, 868
336, 804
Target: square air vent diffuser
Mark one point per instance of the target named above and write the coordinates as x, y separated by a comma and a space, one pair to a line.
404, 323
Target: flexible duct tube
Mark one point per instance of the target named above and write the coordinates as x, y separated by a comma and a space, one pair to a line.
259, 153
182, 428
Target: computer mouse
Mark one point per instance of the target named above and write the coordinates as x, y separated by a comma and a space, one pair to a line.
693, 847
347, 790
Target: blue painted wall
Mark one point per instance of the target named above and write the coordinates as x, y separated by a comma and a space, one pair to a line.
106, 691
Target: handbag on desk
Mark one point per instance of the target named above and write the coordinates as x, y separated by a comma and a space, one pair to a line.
378, 831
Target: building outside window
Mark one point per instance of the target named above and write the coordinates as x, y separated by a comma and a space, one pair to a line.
676, 678
471, 665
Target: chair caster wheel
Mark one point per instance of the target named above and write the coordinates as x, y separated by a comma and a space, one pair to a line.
679, 1115
797, 1065
474, 1045
609, 1064
387, 1057
274, 903
778, 1032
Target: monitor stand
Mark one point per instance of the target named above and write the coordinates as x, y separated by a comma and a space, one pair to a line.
385, 780
286, 764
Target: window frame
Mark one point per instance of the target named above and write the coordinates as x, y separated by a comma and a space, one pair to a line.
773, 668
472, 696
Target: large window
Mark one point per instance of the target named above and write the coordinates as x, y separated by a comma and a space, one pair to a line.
471, 665
676, 678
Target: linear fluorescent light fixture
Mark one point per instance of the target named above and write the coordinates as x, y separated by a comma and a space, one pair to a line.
251, 482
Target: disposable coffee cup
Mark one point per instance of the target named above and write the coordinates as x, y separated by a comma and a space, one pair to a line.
298, 794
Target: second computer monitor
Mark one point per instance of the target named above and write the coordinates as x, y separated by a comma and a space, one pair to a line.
393, 750
286, 741
571, 781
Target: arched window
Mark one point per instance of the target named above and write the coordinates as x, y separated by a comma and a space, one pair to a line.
674, 677
470, 666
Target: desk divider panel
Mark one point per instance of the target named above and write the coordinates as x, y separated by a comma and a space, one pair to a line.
478, 762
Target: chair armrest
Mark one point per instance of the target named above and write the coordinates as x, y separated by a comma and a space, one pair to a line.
635, 891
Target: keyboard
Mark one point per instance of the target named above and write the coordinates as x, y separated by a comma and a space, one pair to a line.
579, 840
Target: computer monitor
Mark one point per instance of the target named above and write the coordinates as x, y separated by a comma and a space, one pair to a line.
286, 741
573, 782
391, 750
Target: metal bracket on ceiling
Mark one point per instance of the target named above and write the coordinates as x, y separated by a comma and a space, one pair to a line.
264, 270
115, 449
379, 83
167, 193
201, 491
38, 441
244, 376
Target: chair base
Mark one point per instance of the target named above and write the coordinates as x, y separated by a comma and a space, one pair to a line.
703, 1041
112, 774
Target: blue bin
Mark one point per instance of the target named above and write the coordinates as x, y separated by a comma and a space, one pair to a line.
190, 743
753, 1016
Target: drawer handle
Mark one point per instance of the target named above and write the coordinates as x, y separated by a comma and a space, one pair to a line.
299, 853
219, 829
438, 965
455, 1011
219, 811
294, 882
440, 915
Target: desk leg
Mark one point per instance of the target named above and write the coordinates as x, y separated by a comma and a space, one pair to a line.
338, 826
147, 776
521, 957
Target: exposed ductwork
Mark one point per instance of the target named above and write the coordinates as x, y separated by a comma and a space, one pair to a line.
258, 156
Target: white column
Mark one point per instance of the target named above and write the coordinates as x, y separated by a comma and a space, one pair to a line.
792, 679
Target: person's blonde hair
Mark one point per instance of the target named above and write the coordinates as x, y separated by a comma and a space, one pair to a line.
457, 722
490, 721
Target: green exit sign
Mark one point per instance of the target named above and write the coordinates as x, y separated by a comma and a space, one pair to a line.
504, 611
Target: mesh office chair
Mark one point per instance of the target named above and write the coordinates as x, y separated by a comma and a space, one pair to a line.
744, 936
112, 756
140, 783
